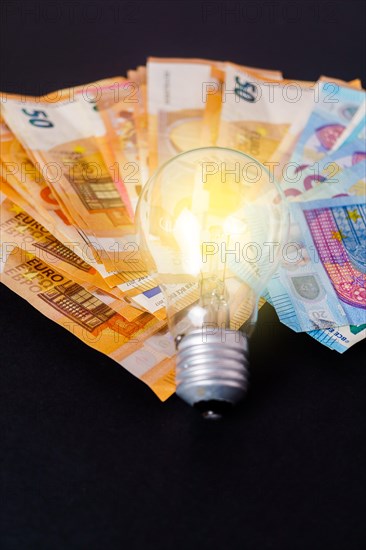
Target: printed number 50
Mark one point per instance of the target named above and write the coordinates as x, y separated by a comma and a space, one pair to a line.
39, 118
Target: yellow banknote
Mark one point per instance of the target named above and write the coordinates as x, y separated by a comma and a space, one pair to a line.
26, 179
7, 191
176, 105
116, 109
19, 228
215, 94
61, 138
143, 347
120, 284
257, 112
140, 114
24, 184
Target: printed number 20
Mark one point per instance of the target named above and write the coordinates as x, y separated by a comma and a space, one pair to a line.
39, 118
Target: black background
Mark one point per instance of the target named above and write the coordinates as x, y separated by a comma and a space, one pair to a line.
89, 456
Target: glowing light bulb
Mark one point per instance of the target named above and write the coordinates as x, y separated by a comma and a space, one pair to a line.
211, 223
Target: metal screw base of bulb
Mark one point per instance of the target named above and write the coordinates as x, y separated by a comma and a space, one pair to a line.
212, 374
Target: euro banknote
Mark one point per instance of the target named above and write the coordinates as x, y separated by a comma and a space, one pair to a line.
340, 338
321, 282
14, 111
143, 347
257, 112
215, 95
175, 109
23, 182
282, 156
181, 116
351, 181
334, 110
355, 129
26, 179
78, 173
116, 108
70, 245
19, 229
329, 168
140, 116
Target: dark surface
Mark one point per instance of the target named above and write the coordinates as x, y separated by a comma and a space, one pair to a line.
89, 457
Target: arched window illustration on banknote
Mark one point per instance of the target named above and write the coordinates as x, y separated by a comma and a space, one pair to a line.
50, 245
84, 169
76, 303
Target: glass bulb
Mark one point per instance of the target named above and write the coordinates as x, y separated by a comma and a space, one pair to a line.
211, 222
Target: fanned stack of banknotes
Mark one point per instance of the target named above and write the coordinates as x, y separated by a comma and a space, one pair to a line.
73, 163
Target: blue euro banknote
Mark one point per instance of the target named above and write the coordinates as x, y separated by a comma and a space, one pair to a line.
320, 283
328, 169
349, 181
340, 338
332, 114
336, 338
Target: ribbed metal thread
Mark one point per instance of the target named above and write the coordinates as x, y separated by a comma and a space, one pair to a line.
212, 367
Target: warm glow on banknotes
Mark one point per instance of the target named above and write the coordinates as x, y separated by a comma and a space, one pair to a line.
73, 164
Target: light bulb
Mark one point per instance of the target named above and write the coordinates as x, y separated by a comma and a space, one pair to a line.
211, 222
